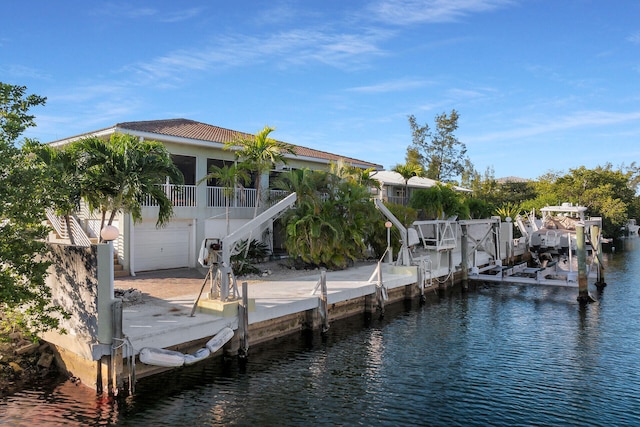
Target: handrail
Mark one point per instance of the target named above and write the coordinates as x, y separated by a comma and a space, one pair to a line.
80, 238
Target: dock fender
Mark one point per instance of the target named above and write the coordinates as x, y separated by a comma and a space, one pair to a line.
161, 357
190, 359
220, 339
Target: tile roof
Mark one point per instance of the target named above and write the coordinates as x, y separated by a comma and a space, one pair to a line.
190, 129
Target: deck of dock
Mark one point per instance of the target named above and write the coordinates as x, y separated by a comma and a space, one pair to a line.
162, 319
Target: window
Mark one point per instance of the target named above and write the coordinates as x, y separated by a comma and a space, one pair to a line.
187, 165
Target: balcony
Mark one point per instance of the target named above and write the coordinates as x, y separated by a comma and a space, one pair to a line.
185, 196
243, 197
180, 196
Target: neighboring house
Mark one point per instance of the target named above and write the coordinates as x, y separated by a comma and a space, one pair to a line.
393, 186
199, 209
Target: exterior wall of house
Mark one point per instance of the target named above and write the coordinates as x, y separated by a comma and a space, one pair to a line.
196, 221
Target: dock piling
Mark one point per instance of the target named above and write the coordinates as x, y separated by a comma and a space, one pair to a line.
324, 310
243, 322
596, 243
583, 289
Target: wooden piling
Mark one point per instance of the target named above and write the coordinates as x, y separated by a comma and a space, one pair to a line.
596, 244
324, 310
243, 322
583, 285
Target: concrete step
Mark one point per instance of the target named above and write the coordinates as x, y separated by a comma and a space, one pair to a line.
121, 273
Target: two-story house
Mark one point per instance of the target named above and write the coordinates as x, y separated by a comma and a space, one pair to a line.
394, 189
199, 208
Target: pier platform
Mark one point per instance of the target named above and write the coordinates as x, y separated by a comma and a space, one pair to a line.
162, 319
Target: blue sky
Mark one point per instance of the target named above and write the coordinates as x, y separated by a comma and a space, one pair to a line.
540, 85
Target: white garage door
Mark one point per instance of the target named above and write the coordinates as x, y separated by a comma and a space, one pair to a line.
161, 248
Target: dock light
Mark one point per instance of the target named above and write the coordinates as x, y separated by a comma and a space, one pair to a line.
109, 233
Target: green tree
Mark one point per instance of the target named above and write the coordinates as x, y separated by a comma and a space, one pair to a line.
62, 178
231, 177
119, 173
439, 201
443, 155
331, 220
25, 299
408, 171
261, 153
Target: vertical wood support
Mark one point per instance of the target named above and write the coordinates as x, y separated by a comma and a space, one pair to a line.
583, 289
324, 310
381, 291
464, 264
243, 322
596, 244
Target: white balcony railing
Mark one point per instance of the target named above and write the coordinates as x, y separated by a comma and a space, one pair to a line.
180, 195
185, 196
243, 198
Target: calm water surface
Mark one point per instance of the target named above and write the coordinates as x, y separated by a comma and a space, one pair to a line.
499, 355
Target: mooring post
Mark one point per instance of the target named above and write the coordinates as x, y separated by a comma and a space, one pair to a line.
583, 285
464, 263
243, 322
115, 377
324, 311
597, 253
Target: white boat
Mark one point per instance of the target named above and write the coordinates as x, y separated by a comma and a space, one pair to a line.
552, 239
631, 227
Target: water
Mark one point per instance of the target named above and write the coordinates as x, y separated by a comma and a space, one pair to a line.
500, 355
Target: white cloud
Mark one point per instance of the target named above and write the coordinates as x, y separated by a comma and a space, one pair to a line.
391, 86
578, 120
299, 47
634, 38
401, 12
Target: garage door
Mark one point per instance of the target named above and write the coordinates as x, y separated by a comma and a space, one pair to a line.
161, 248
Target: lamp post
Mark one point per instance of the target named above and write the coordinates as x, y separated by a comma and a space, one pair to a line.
388, 225
110, 233
109, 315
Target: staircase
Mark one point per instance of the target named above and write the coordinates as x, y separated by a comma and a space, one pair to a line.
118, 269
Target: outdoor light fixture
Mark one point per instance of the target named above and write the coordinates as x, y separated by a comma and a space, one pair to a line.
109, 233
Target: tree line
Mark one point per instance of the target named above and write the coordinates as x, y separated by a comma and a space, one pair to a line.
607, 191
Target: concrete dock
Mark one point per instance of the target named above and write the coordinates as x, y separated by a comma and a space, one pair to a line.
162, 319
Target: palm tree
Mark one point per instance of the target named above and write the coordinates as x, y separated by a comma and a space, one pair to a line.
230, 177
355, 174
118, 174
261, 154
64, 175
408, 171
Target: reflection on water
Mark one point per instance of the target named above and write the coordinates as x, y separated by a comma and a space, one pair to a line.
499, 355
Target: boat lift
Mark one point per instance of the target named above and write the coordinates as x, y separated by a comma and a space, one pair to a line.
409, 236
229, 244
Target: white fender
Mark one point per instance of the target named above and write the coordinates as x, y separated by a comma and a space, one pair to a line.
220, 339
161, 357
190, 359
